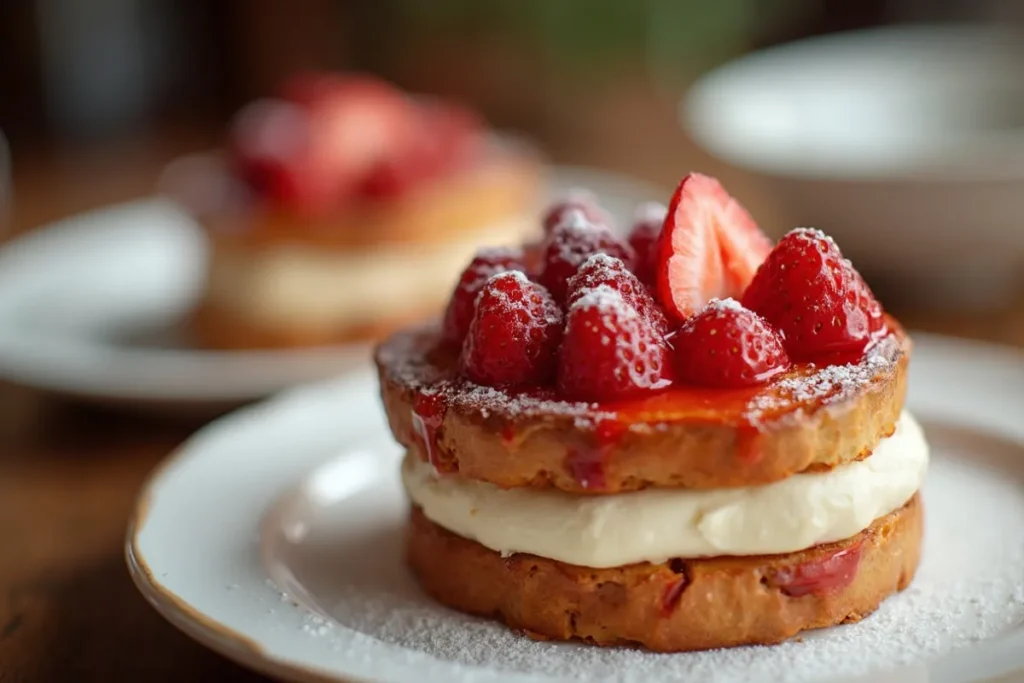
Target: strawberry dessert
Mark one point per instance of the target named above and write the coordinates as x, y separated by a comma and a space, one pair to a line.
340, 209
683, 438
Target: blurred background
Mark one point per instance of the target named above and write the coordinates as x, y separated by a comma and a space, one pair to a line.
908, 149
98, 95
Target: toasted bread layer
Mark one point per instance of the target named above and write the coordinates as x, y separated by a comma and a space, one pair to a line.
809, 419
676, 606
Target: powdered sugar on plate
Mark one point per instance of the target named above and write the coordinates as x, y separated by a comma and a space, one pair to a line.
970, 587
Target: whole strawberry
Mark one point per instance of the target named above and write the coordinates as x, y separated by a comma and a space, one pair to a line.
610, 351
514, 334
650, 218
726, 345
602, 269
486, 263
570, 243
578, 199
814, 297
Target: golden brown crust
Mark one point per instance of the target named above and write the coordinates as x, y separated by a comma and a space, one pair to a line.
676, 606
504, 185
809, 419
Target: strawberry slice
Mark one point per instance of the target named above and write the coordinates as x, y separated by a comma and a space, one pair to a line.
710, 247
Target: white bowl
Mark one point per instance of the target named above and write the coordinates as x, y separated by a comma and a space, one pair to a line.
906, 144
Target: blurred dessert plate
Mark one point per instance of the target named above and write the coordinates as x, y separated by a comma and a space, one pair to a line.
92, 306
904, 143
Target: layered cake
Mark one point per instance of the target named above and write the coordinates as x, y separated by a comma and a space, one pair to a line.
687, 439
342, 208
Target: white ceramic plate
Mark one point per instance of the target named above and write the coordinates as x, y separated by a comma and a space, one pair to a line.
274, 537
88, 307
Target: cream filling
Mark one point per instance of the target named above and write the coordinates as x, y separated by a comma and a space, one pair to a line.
297, 285
654, 525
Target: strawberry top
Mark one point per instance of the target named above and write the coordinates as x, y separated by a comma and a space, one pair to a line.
575, 312
327, 139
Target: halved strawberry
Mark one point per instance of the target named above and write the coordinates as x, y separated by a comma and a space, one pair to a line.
710, 247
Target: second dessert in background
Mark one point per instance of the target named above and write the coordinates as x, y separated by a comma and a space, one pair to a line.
341, 208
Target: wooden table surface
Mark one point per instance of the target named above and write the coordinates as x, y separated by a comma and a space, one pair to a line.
68, 477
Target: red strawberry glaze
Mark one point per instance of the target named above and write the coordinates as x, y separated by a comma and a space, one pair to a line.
427, 416
818, 577
804, 386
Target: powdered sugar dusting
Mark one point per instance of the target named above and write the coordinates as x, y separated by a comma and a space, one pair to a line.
608, 301
830, 384
404, 360
406, 363
727, 304
810, 234
603, 260
969, 588
498, 253
575, 219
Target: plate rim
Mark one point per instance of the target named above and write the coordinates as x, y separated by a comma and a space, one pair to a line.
240, 648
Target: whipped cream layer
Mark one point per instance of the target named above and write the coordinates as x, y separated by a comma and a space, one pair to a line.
655, 525
299, 285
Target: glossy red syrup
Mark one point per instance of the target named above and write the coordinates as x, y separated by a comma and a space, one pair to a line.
819, 577
687, 404
427, 415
